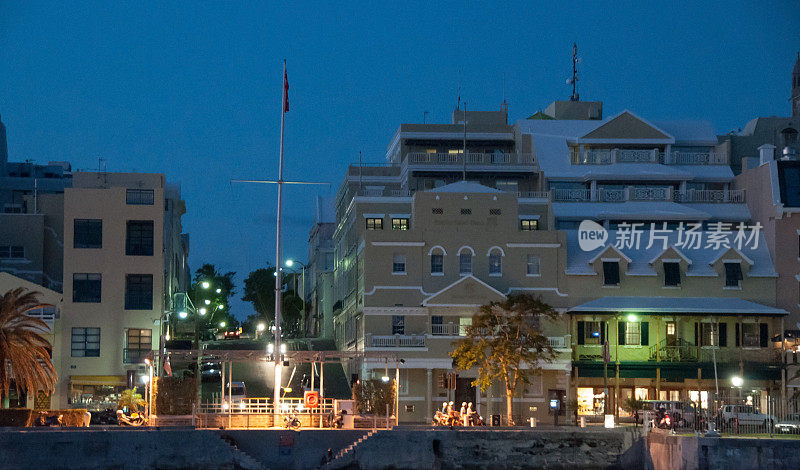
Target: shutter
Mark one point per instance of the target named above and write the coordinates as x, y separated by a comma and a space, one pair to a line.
696, 336
723, 335
580, 332
602, 332
764, 334
738, 336
645, 333
621, 333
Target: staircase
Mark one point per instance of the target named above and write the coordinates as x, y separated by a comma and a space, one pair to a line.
241, 459
347, 455
679, 350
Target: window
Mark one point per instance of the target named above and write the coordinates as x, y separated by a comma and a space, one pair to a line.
400, 224
672, 274
139, 344
139, 197
437, 211
139, 292
398, 264
86, 342
671, 328
532, 265
507, 186
611, 273
465, 263
591, 332
634, 333
86, 287
709, 339
466, 211
754, 335
374, 223
437, 264
12, 252
496, 263
528, 225
733, 274
139, 241
398, 325
88, 233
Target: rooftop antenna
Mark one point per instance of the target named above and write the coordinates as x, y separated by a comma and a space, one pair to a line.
574, 79
504, 105
458, 100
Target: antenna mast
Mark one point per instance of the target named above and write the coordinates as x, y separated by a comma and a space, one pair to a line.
574, 80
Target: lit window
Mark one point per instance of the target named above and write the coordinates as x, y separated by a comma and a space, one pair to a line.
633, 333
528, 225
670, 328
374, 223
399, 224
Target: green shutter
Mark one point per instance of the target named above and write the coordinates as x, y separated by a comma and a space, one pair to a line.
696, 334
738, 336
645, 333
581, 333
602, 332
621, 333
723, 335
764, 334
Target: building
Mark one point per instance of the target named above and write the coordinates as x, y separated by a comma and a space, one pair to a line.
319, 293
781, 132
124, 258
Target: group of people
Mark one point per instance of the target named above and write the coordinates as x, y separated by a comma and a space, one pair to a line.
448, 416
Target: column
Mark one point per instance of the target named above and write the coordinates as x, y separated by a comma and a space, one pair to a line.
593, 190
428, 395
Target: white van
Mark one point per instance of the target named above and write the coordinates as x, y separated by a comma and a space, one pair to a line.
682, 414
745, 414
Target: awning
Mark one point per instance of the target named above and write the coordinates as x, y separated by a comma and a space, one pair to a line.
110, 380
677, 305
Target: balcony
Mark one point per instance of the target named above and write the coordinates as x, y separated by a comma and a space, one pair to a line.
449, 329
680, 350
480, 159
396, 341
609, 156
383, 193
660, 194
134, 355
560, 342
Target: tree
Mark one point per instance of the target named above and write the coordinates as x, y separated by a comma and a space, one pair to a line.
198, 294
632, 405
259, 289
23, 346
505, 342
131, 401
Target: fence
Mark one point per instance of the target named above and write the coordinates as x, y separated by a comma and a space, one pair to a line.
748, 414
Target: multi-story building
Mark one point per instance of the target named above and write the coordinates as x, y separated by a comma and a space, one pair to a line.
507, 218
319, 293
781, 132
124, 258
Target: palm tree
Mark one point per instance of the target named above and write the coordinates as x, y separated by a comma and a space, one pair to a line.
24, 352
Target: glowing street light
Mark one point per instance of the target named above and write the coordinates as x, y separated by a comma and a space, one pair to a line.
205, 284
737, 381
261, 327
385, 379
220, 307
219, 291
207, 302
632, 318
222, 324
202, 311
182, 314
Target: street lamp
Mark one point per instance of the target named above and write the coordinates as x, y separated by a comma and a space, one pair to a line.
205, 284
148, 385
737, 381
290, 263
202, 311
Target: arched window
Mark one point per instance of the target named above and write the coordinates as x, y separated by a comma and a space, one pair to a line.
437, 260
495, 261
465, 255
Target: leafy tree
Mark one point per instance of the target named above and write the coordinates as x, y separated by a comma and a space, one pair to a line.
633, 406
372, 396
131, 401
22, 345
259, 289
198, 294
505, 342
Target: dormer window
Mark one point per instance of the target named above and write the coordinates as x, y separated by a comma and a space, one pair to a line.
672, 274
733, 275
528, 225
611, 273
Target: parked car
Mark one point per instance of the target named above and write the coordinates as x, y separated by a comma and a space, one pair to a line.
789, 425
238, 392
234, 334
682, 414
746, 415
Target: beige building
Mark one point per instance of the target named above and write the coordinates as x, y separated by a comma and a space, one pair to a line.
123, 259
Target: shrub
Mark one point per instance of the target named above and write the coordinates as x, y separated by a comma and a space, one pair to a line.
16, 417
372, 396
173, 395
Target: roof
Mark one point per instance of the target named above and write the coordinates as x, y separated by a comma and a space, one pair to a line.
652, 210
687, 305
578, 261
464, 187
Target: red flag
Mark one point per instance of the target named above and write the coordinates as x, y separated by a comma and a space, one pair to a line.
285, 91
168, 367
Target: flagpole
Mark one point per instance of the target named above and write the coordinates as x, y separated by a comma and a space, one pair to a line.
278, 282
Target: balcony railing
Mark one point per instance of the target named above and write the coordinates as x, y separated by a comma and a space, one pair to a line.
560, 342
680, 350
715, 196
134, 356
609, 156
490, 159
383, 193
534, 194
448, 329
397, 341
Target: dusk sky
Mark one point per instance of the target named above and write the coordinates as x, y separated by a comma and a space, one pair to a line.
193, 89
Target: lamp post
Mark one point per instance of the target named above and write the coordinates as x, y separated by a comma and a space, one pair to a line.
149, 383
737, 382
290, 263
208, 308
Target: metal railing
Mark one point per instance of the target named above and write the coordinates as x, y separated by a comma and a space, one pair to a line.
264, 406
609, 156
422, 158
715, 196
708, 196
560, 342
397, 341
383, 192
134, 355
534, 194
448, 329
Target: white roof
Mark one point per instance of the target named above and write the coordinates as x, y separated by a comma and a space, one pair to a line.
687, 305
578, 260
650, 210
464, 187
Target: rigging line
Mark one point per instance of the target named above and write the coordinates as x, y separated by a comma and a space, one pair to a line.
276, 182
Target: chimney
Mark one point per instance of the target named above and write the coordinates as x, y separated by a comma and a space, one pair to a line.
766, 153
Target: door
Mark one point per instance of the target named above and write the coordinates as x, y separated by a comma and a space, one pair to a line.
671, 335
465, 392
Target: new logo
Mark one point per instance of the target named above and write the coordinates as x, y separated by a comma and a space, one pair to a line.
591, 235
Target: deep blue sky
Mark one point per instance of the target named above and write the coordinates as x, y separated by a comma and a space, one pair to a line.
193, 89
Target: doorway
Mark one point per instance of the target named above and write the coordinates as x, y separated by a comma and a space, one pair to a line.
465, 392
